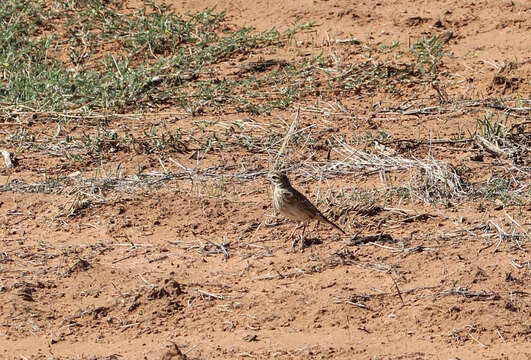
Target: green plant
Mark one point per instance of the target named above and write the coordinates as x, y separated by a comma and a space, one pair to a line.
429, 53
52, 58
491, 128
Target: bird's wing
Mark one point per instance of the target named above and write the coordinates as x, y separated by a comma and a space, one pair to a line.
307, 205
312, 211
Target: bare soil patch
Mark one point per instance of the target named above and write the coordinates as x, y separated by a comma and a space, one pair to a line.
146, 231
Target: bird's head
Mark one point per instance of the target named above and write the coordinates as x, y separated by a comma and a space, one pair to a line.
279, 178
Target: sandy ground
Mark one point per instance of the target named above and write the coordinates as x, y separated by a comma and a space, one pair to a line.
211, 269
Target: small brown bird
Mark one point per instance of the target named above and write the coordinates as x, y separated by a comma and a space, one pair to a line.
294, 205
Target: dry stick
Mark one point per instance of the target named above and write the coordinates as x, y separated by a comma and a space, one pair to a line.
402, 211
215, 296
500, 230
163, 257
256, 230
193, 347
518, 245
125, 327
500, 335
358, 304
221, 246
515, 222
499, 243
135, 246
287, 137
476, 340
98, 116
398, 290
267, 276
117, 290
163, 167
490, 147
124, 258
485, 248
518, 124
502, 234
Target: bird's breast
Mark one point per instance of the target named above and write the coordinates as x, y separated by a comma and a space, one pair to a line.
278, 199
284, 203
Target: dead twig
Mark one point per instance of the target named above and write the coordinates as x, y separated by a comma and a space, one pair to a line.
397, 290
360, 305
490, 147
125, 327
476, 340
286, 139
222, 247
211, 295
516, 223
124, 258
467, 293
503, 234
158, 259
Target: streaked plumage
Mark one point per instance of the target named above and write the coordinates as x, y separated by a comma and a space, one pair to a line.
294, 205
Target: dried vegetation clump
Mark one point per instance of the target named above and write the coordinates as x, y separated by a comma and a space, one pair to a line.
135, 216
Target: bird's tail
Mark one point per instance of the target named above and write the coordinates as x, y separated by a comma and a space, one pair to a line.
331, 223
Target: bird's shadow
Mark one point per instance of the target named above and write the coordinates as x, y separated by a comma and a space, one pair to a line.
356, 240
305, 242
359, 240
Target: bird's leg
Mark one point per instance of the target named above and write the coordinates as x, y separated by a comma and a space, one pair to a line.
303, 235
294, 243
296, 239
293, 232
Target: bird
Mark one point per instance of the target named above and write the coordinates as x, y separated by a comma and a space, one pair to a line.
292, 204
